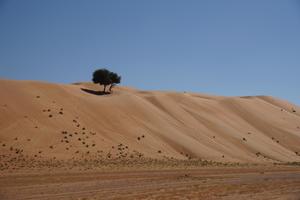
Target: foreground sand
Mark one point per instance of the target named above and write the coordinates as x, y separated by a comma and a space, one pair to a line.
204, 183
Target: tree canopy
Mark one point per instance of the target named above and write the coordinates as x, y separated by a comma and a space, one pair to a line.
105, 77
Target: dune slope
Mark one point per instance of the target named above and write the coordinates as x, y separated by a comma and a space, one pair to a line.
64, 121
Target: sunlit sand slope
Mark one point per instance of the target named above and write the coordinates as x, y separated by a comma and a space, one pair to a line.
64, 121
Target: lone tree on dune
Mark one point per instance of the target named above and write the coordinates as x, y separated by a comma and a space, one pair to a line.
105, 77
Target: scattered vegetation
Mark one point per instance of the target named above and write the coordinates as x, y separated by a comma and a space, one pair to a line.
289, 163
135, 161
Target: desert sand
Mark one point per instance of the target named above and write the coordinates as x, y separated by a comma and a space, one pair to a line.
221, 183
70, 131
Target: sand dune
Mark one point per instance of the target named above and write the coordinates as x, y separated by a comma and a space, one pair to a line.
46, 120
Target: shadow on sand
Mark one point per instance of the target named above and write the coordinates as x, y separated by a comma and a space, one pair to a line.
94, 92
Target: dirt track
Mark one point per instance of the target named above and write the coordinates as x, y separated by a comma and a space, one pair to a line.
217, 183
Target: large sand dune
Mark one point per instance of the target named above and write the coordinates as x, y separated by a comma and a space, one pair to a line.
46, 120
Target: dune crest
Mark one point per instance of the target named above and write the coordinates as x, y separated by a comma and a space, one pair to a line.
64, 121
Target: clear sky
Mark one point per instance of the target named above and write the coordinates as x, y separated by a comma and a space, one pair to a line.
232, 47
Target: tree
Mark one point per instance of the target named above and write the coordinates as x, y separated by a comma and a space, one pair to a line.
102, 76
105, 77
115, 79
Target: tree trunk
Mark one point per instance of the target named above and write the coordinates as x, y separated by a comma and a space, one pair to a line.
111, 86
104, 89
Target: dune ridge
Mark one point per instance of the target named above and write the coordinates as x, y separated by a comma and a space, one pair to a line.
46, 120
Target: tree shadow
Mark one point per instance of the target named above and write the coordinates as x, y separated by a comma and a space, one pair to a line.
94, 92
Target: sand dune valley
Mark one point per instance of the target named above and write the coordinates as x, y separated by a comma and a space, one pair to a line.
64, 141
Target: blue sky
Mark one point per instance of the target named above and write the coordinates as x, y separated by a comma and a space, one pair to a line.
232, 47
